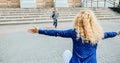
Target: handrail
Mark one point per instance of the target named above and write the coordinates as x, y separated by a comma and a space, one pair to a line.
113, 3
85, 3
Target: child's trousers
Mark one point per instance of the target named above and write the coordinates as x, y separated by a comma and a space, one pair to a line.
55, 23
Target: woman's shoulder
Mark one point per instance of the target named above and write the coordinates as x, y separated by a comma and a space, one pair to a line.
72, 29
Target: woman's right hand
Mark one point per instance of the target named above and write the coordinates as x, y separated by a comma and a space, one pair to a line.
34, 29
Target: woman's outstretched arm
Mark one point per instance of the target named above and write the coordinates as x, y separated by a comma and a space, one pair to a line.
111, 34
62, 33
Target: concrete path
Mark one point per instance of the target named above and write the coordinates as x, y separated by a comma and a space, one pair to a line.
19, 46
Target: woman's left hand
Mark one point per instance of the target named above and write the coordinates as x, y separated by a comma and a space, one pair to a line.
118, 32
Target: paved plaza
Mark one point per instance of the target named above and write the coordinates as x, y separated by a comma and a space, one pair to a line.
19, 46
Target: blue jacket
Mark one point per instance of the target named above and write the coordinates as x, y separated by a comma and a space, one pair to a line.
82, 52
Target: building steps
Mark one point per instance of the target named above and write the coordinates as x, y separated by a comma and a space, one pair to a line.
29, 16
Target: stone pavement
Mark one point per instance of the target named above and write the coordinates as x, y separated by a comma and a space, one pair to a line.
19, 46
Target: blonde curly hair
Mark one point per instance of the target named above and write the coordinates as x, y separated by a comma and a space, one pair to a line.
87, 27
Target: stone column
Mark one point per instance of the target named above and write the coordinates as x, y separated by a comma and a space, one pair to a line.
14, 3
49, 3
45, 3
3, 4
9, 3
75, 3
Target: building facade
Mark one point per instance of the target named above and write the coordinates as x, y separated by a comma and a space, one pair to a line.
9, 3
39, 3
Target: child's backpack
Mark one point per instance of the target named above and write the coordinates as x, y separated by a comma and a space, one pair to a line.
53, 15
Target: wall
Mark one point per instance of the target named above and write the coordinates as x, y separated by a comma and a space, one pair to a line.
40, 3
9, 3
50, 3
44, 3
75, 3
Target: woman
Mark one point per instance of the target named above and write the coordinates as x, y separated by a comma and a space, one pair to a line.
86, 34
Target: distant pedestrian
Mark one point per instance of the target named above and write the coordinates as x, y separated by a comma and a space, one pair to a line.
85, 36
54, 16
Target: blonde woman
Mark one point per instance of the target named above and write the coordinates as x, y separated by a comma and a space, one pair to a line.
86, 34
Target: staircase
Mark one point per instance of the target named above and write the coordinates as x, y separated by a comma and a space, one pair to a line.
14, 16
